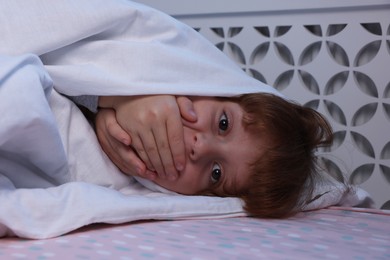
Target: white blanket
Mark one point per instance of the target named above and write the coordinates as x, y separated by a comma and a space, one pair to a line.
54, 178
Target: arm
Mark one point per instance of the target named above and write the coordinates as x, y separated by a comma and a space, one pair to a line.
156, 133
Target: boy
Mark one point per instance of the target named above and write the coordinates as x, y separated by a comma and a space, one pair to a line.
258, 147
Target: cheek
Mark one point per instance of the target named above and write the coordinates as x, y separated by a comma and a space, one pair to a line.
189, 183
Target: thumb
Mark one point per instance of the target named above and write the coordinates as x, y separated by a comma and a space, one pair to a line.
186, 108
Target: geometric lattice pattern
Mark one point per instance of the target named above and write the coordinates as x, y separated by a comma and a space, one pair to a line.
336, 63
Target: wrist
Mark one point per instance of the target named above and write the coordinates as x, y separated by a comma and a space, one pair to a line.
108, 101
103, 102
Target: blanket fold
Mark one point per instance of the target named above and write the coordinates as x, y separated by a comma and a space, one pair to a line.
54, 178
102, 47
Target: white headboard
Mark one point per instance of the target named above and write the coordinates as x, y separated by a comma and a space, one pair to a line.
331, 55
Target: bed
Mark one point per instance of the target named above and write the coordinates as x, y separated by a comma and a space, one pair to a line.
263, 43
333, 233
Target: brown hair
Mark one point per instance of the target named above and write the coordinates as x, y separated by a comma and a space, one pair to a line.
281, 178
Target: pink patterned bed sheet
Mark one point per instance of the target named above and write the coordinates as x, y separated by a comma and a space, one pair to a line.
335, 233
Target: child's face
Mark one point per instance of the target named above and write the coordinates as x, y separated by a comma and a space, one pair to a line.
218, 150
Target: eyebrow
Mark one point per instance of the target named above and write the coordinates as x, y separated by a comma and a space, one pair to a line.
230, 186
215, 189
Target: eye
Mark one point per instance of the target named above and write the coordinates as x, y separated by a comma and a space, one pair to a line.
216, 173
223, 124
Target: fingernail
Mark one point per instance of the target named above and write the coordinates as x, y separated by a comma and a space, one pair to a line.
139, 171
192, 113
172, 177
152, 176
179, 167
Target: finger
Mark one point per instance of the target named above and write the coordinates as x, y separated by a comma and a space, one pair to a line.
106, 119
121, 155
186, 108
132, 162
117, 132
150, 175
150, 144
126, 159
165, 153
146, 149
110, 148
176, 142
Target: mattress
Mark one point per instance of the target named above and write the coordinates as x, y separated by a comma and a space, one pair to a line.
334, 233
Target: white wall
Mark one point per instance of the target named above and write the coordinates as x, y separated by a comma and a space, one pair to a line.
188, 7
